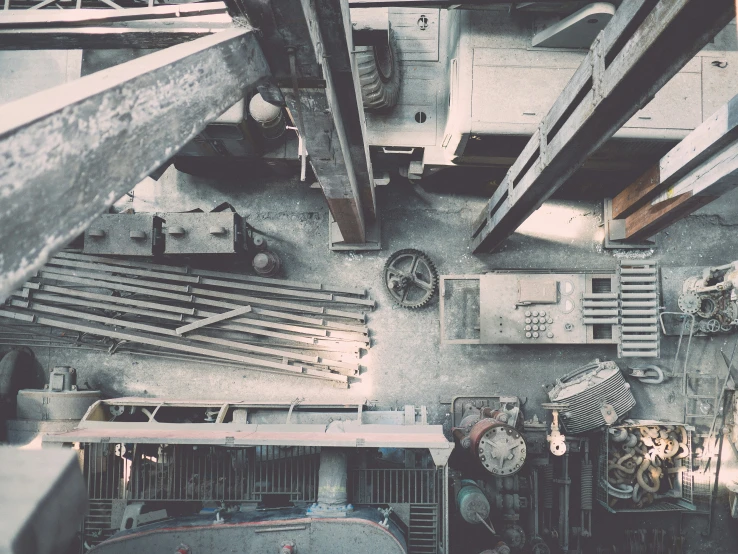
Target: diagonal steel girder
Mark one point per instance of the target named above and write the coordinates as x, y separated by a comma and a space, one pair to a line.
68, 153
643, 46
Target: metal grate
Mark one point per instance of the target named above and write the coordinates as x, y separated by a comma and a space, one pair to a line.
423, 529
639, 333
97, 525
186, 472
395, 486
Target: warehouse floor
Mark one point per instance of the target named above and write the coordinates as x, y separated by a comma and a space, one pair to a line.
406, 364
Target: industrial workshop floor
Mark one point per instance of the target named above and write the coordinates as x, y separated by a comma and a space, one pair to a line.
406, 364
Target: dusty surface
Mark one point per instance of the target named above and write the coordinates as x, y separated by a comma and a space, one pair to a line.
406, 364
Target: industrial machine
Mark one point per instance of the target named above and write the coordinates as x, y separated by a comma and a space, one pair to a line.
302, 476
593, 395
538, 307
56, 408
711, 298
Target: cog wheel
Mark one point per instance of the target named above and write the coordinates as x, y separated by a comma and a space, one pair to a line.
411, 278
689, 302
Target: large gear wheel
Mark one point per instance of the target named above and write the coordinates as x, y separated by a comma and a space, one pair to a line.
411, 278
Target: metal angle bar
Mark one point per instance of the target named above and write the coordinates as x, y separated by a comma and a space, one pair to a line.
241, 328
118, 284
56, 261
194, 279
101, 305
212, 319
107, 298
168, 96
66, 255
207, 273
151, 341
119, 303
281, 283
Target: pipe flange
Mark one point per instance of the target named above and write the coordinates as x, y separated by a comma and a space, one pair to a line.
689, 302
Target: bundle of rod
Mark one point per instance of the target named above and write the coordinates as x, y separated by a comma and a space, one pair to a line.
266, 324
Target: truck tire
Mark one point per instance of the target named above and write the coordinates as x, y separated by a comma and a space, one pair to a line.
379, 75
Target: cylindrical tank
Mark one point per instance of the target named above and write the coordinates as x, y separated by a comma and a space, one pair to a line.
266, 264
472, 502
268, 116
56, 408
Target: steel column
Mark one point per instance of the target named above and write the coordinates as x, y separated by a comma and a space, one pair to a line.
324, 98
69, 152
643, 46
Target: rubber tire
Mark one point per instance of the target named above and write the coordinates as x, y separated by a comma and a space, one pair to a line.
379, 92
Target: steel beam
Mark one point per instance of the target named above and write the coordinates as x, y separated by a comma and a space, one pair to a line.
643, 46
68, 153
308, 44
155, 27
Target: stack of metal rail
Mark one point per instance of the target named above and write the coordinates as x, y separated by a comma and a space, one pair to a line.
275, 325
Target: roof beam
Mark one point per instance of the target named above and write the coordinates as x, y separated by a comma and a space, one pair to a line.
69, 152
156, 27
643, 46
324, 99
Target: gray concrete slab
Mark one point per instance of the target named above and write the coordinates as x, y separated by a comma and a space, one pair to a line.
406, 364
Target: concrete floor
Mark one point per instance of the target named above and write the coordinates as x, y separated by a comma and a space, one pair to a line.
406, 364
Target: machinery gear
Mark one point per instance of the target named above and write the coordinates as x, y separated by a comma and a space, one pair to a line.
411, 278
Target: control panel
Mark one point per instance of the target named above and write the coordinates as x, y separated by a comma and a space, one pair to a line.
548, 308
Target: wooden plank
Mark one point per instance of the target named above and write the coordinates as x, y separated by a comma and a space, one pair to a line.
651, 219
666, 39
714, 134
702, 185
212, 319
65, 153
631, 198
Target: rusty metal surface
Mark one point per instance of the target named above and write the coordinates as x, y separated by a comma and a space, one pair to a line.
122, 234
65, 153
202, 233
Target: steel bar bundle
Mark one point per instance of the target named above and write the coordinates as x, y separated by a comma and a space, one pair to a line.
276, 325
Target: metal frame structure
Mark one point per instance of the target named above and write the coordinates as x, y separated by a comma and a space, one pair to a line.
359, 432
642, 47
